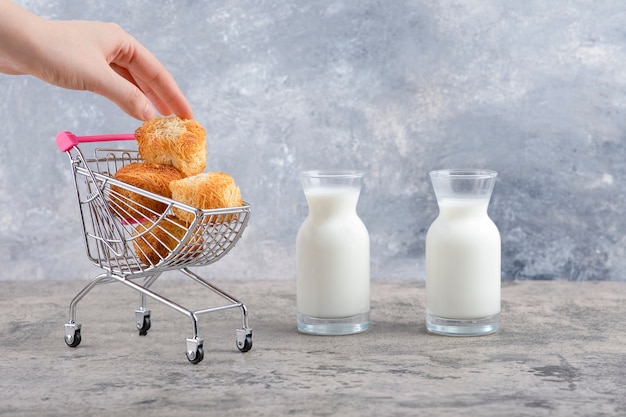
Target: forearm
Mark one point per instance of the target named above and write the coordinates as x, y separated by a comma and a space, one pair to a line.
18, 38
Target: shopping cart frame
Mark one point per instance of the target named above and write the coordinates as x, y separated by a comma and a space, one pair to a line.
112, 229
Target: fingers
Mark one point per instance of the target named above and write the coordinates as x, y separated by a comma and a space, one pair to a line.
158, 102
134, 62
136, 96
117, 85
164, 93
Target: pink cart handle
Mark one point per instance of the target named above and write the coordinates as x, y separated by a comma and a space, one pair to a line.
67, 140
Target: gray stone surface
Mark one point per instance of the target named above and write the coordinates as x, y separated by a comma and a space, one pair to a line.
561, 352
533, 89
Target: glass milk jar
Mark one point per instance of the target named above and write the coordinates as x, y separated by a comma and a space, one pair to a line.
463, 256
332, 256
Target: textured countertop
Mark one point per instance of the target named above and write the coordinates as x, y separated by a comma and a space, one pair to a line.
561, 352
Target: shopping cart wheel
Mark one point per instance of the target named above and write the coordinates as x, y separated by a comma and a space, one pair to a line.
195, 350
72, 334
244, 339
142, 318
197, 356
144, 327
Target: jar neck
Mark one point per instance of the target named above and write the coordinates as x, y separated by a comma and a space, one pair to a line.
463, 207
325, 203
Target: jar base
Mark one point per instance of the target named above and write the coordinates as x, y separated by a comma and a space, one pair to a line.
334, 326
458, 327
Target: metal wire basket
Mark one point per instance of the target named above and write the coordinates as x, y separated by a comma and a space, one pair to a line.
132, 241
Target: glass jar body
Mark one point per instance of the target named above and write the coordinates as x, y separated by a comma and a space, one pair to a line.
332, 259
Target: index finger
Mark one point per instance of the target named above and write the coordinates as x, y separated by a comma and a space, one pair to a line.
153, 79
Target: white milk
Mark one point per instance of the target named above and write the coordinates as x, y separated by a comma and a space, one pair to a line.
333, 256
463, 261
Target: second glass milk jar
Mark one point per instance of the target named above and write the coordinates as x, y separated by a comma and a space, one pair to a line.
463, 256
332, 256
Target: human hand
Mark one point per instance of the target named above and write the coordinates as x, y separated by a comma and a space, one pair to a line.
94, 56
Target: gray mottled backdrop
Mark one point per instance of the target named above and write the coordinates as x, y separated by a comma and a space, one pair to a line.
533, 89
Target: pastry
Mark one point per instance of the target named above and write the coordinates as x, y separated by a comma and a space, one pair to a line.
154, 178
153, 242
173, 141
210, 190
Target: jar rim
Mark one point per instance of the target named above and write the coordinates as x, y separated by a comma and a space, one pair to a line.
332, 173
464, 173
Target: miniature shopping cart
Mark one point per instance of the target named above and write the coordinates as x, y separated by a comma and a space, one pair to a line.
134, 244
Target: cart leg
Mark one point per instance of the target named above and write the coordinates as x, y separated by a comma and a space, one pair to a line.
72, 328
142, 314
148, 281
244, 316
97, 280
190, 314
243, 335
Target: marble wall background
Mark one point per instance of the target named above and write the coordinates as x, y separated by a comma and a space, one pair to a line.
535, 90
